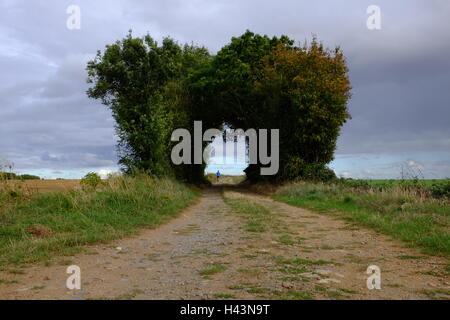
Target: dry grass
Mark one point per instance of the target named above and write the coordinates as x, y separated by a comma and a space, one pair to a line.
37, 226
51, 185
263, 188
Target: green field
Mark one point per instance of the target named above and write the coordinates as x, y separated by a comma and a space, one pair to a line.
390, 183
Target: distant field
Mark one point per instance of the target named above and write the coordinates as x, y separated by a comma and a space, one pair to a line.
51, 185
396, 182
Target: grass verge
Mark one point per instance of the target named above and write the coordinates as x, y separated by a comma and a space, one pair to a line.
422, 222
42, 226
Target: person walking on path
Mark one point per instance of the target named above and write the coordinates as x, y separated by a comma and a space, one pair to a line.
218, 175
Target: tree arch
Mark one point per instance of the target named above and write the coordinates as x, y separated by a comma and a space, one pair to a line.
253, 82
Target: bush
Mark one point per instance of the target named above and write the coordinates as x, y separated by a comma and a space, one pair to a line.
319, 172
297, 168
29, 177
440, 190
355, 184
7, 176
91, 180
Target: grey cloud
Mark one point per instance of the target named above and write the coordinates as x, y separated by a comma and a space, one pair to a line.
400, 74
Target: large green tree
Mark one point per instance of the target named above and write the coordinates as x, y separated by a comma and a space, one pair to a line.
305, 92
261, 82
143, 85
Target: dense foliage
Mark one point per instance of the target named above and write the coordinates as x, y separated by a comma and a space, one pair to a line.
142, 83
91, 181
13, 176
253, 82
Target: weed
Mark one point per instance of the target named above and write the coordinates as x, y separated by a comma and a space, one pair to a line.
224, 296
286, 239
38, 288
236, 287
298, 295
409, 257
320, 289
5, 281
212, 268
16, 271
130, 295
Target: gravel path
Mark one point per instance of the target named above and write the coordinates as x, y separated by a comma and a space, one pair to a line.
206, 254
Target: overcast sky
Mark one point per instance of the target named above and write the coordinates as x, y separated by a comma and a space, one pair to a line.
400, 75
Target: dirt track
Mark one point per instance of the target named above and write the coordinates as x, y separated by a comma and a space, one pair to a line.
206, 254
